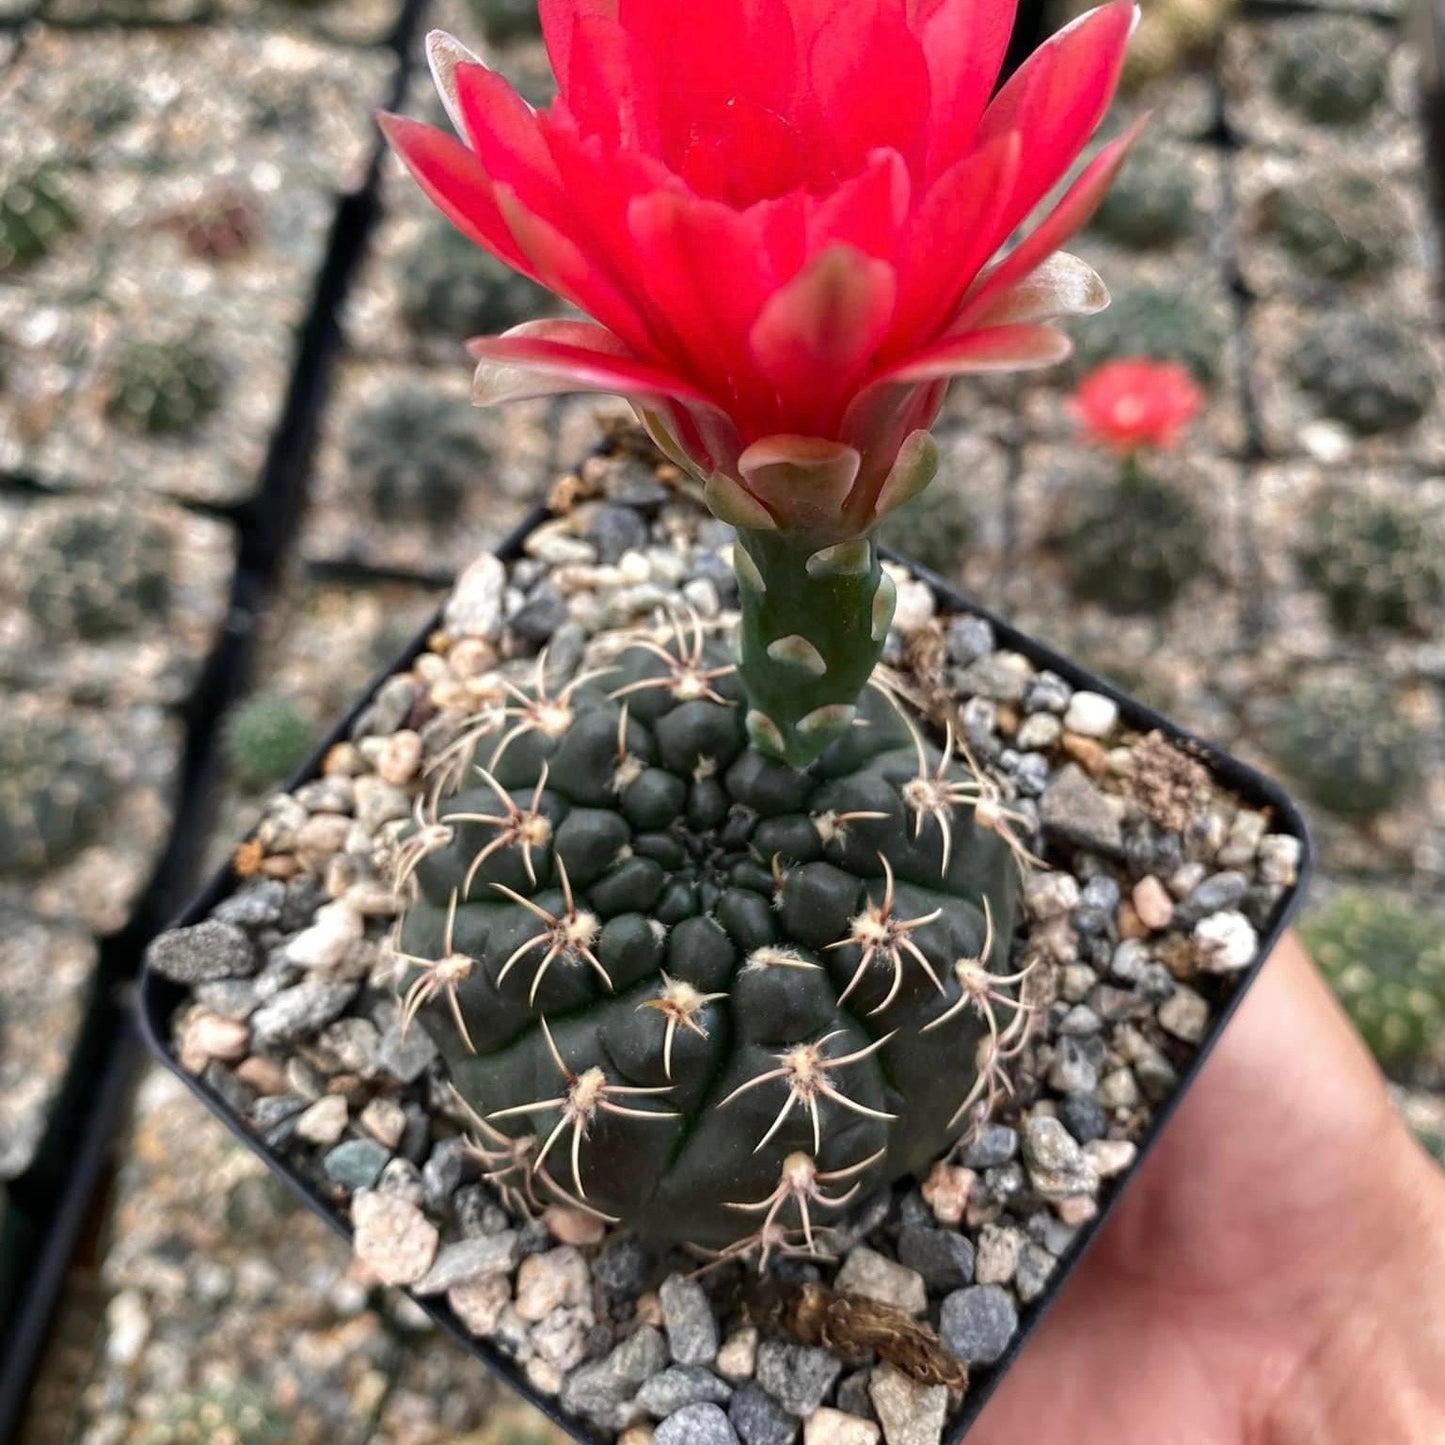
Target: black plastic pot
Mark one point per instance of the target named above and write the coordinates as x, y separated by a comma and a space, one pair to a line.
159, 998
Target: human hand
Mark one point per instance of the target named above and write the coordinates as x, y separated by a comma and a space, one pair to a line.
1276, 1273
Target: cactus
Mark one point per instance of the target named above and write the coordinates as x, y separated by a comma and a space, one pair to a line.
1152, 203
1170, 32
236, 1414
99, 573
935, 529
34, 215
163, 389
1350, 749
56, 790
265, 740
450, 288
502, 21
1338, 225
416, 454
1386, 962
1157, 322
1330, 69
1139, 545
1372, 374
1377, 564
689, 986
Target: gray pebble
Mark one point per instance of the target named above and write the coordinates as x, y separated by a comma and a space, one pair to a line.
852, 1395
622, 1268
356, 1164
994, 1144
977, 1323
295, 1013
405, 1059
1084, 1117
472, 1259
680, 1386
696, 1425
543, 614
943, 1257
968, 639
256, 906
615, 530
1048, 692
1076, 811
759, 1419
629, 482
1073, 1070
1002, 676
687, 1316
797, 1376
207, 951
1058, 1167
442, 1172
1035, 1269
596, 1389
1221, 891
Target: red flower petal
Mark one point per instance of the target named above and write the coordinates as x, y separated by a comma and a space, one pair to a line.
998, 348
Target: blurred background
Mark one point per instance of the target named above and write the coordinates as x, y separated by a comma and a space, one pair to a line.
237, 469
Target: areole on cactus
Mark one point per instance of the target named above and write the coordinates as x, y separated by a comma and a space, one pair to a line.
710, 944
783, 218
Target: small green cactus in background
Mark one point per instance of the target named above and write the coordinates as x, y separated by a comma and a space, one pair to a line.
1377, 564
237, 1414
265, 740
1350, 749
34, 214
502, 21
416, 455
676, 979
1330, 69
451, 288
1157, 322
1169, 33
163, 389
99, 573
1338, 225
56, 790
935, 529
1152, 204
1386, 962
1139, 545
1372, 374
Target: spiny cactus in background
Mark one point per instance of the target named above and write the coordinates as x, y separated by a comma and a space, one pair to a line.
1377, 564
1170, 33
1138, 546
1330, 69
164, 388
1152, 204
99, 573
1372, 374
238, 1414
450, 288
502, 21
689, 986
1350, 749
1339, 225
56, 790
265, 740
1386, 962
1158, 322
935, 529
34, 214
416, 454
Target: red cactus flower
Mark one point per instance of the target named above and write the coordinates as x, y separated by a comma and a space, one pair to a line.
1128, 404
780, 216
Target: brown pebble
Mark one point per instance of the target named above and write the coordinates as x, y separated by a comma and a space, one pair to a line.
265, 1076
649, 1308
282, 866
573, 1226
1091, 756
946, 1191
247, 859
1077, 1209
399, 758
1152, 903
1130, 925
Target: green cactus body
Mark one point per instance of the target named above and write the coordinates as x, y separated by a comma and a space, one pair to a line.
1138, 547
34, 215
690, 917
1377, 564
97, 575
1372, 374
450, 288
416, 455
1331, 68
1386, 962
1152, 204
1350, 749
55, 791
163, 389
1338, 226
237, 1414
266, 739
1155, 322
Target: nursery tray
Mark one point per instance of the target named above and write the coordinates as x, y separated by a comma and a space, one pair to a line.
159, 997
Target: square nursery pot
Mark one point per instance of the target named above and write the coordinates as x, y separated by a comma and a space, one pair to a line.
1117, 1038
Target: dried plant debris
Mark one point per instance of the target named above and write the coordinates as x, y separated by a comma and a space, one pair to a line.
1147, 906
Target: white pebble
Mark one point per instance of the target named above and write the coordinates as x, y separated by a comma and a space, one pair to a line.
915, 608
331, 939
826, 1426
1225, 942
1091, 715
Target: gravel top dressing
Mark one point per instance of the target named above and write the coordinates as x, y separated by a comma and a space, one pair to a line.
1142, 907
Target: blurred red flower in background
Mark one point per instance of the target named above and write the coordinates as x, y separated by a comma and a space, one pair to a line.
1130, 404
780, 215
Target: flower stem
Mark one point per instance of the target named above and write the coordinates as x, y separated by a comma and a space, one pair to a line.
816, 612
